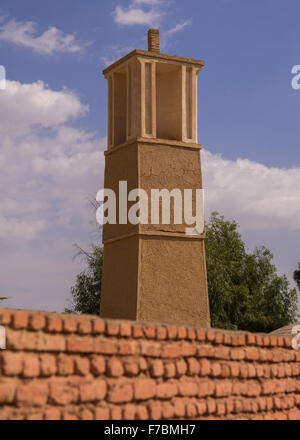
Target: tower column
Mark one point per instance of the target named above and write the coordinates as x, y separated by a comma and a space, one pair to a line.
153, 270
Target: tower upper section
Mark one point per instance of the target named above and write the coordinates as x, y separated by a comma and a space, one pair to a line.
152, 95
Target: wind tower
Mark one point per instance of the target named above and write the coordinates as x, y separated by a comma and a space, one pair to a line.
153, 272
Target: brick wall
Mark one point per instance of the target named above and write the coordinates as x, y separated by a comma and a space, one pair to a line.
59, 366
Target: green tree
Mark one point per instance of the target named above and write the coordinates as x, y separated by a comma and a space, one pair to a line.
245, 291
297, 276
86, 292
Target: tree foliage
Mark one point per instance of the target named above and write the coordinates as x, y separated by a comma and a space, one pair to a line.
297, 276
245, 291
87, 290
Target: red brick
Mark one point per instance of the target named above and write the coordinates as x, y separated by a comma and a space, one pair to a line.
156, 368
7, 392
191, 334
62, 394
200, 334
129, 347
206, 388
53, 324
86, 414
5, 316
181, 333
112, 328
97, 365
144, 389
193, 367
12, 363
34, 415
155, 409
37, 321
52, 414
120, 393
223, 389
201, 407
82, 366
31, 365
32, 394
211, 406
179, 407
181, 368
80, 344
65, 365
161, 333
172, 332
49, 342
105, 346
69, 324
131, 368
225, 370
253, 389
191, 410
268, 387
129, 412
187, 388
149, 331
114, 368
93, 391
205, 367
141, 412
98, 326
151, 349
125, 329
252, 353
221, 408
170, 370
102, 413
137, 331
222, 352
215, 369
210, 335
219, 337
166, 390
47, 365
171, 351
84, 326
237, 353
250, 339
20, 320
116, 413
188, 350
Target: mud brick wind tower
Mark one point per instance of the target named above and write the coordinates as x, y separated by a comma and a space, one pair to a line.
153, 272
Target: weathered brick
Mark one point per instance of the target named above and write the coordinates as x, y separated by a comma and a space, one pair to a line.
120, 393
37, 321
93, 391
63, 394
81, 366
12, 363
53, 324
114, 368
112, 328
97, 365
31, 365
187, 388
166, 390
32, 394
20, 320
125, 329
80, 344
65, 365
7, 392
102, 413
144, 389
47, 365
156, 368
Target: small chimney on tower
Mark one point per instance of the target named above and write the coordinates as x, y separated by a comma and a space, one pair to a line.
153, 40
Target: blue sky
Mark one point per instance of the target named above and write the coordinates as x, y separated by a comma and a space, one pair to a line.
53, 124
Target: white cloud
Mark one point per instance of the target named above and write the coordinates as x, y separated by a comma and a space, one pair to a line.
23, 105
257, 196
148, 2
178, 28
48, 168
50, 41
135, 15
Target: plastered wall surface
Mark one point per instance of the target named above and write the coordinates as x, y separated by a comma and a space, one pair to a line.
60, 366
